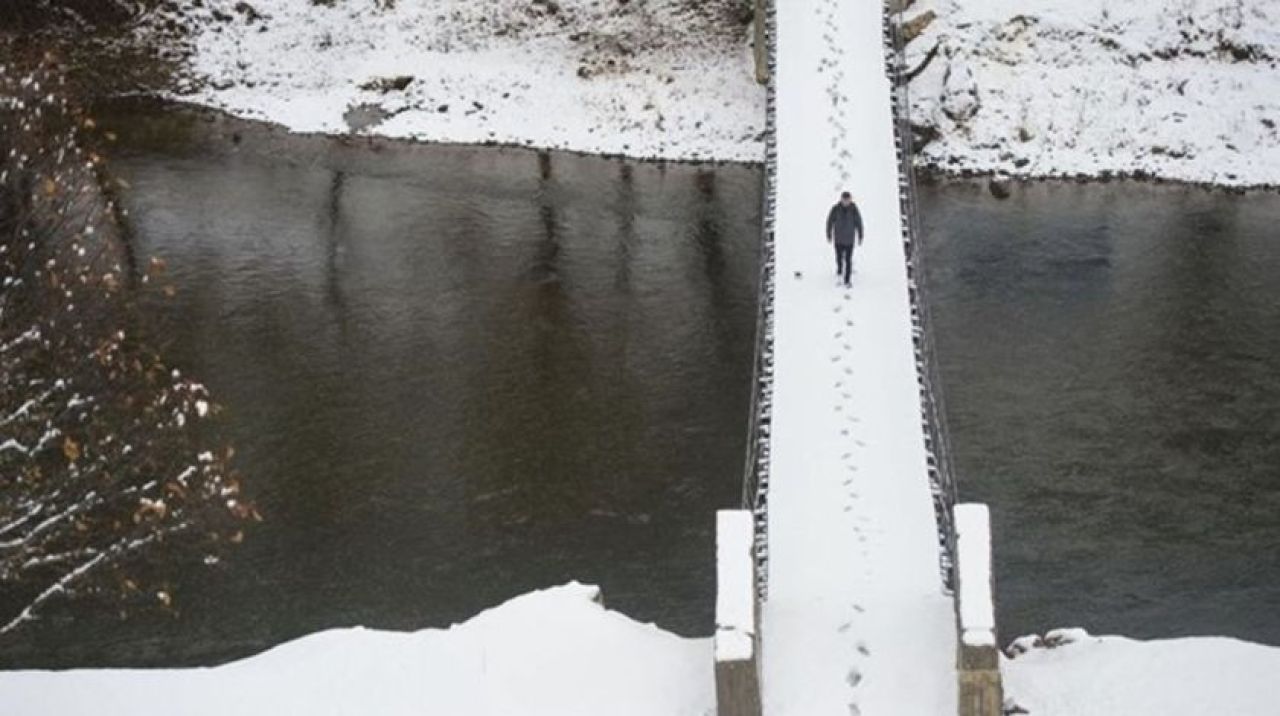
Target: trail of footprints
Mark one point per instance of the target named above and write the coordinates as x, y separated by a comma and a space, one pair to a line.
829, 67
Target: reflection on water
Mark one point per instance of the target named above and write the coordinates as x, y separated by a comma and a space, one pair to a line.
456, 374
1111, 355
452, 374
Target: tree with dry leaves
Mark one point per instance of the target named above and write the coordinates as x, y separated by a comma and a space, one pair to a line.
110, 466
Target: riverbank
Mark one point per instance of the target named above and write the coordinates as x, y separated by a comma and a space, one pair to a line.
1035, 90
1070, 672
667, 80
1186, 92
554, 651
559, 651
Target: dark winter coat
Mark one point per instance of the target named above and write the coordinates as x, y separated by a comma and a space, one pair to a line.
844, 224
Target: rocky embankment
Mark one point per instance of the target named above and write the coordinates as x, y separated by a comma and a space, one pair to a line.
1179, 90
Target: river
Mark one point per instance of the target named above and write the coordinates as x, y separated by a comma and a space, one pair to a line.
1111, 358
455, 374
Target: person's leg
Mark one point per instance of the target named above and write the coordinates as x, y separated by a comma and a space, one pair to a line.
839, 260
846, 262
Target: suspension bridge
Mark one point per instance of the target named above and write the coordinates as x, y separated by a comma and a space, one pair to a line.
872, 590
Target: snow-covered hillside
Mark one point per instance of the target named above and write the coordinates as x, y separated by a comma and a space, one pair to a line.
668, 78
1187, 90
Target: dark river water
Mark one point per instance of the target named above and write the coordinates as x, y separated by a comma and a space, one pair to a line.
1111, 356
453, 375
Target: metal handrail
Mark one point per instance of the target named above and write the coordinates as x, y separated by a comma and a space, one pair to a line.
755, 485
942, 474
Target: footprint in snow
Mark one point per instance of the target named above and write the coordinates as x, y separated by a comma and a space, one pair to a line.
845, 627
854, 678
854, 710
859, 443
862, 649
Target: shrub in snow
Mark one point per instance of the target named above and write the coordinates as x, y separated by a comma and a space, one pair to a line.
106, 453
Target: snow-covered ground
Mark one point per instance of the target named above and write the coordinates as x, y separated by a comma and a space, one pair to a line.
555, 651
559, 652
1114, 676
1187, 90
1178, 89
664, 79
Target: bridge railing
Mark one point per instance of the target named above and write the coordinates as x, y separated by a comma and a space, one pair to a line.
942, 475
755, 483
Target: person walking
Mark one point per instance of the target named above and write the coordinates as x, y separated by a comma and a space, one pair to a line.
844, 230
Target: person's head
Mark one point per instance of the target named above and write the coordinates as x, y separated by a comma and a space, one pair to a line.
846, 198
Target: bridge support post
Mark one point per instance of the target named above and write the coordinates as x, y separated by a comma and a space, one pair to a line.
978, 657
761, 41
737, 642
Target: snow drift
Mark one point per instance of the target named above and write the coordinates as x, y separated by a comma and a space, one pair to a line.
557, 651
1115, 676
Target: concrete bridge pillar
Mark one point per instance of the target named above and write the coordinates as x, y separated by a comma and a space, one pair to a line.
978, 659
737, 641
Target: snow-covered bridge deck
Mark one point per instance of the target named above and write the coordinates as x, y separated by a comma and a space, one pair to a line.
856, 620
